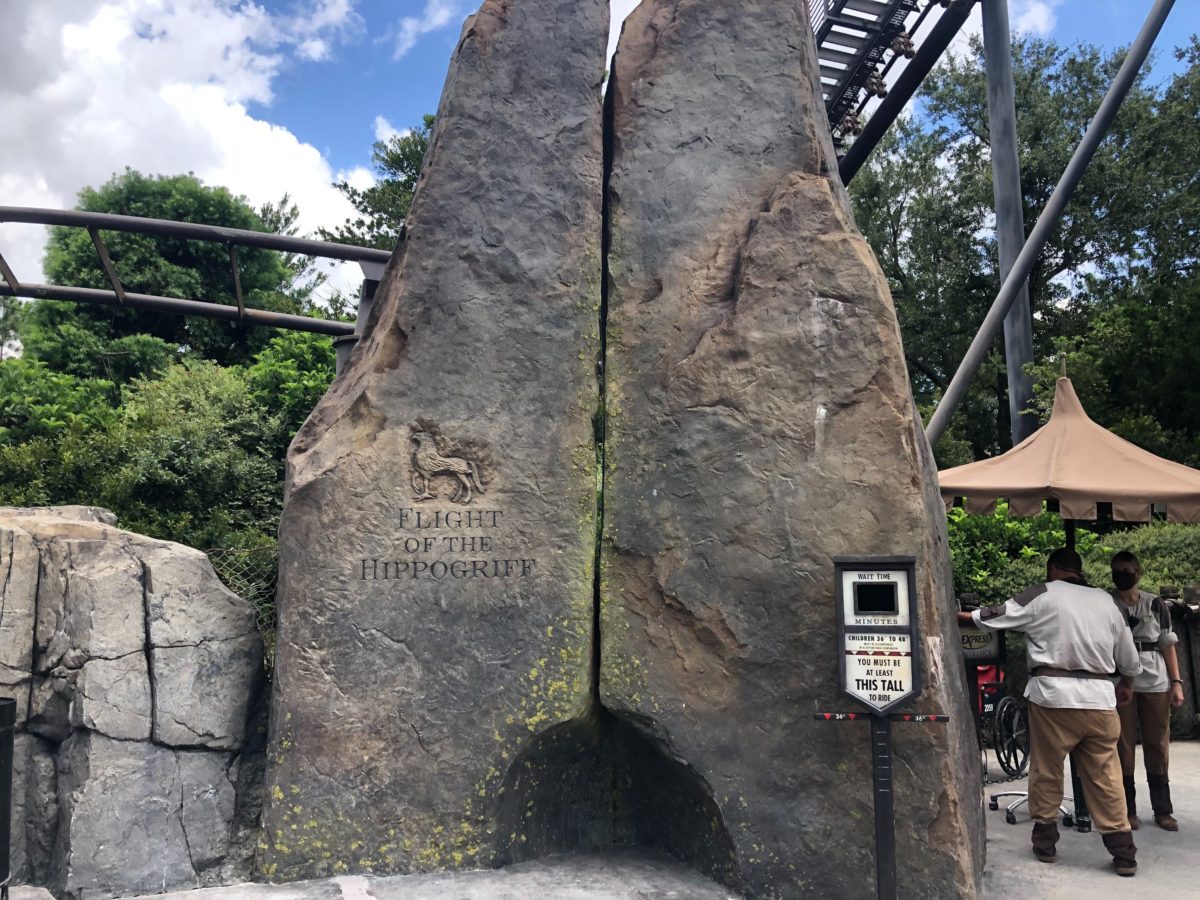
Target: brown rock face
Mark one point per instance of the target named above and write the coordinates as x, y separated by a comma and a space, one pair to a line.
438, 539
440, 701
759, 423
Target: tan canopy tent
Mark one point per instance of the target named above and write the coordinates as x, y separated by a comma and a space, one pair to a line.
1073, 460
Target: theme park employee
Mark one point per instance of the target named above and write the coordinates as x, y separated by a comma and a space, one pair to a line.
1155, 691
1076, 639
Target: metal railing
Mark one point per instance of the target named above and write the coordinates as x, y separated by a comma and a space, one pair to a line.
370, 259
818, 11
853, 37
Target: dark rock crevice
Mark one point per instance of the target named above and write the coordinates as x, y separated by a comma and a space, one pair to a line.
600, 782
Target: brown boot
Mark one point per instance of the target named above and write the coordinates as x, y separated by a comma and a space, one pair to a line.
1160, 799
1166, 822
1045, 836
1124, 852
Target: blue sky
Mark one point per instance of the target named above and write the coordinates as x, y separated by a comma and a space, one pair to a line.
281, 95
1113, 23
333, 104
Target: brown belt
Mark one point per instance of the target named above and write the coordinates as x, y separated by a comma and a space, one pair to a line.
1069, 673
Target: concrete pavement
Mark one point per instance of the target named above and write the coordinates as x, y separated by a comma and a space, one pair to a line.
1167, 862
1167, 866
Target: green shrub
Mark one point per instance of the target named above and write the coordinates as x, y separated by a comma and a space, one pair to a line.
999, 555
1169, 554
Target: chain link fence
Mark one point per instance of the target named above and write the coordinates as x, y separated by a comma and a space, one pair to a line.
252, 574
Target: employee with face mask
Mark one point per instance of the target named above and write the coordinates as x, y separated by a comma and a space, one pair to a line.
1156, 690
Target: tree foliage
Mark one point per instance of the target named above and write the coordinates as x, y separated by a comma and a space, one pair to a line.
192, 457
1117, 284
383, 206
118, 343
179, 425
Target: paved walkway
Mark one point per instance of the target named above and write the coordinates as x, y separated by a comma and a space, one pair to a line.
1168, 863
1168, 867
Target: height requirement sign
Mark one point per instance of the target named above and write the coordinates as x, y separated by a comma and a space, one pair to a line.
877, 630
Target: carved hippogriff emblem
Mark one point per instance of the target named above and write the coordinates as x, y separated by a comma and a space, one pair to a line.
428, 463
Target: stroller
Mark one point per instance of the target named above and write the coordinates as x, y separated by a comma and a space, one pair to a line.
1001, 723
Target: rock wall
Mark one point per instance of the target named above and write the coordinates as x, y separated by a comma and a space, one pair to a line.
760, 422
443, 697
135, 672
438, 535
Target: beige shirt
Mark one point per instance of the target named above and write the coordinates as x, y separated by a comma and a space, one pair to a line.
1068, 626
1153, 626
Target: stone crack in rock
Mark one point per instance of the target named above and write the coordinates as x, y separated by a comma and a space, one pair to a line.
90, 746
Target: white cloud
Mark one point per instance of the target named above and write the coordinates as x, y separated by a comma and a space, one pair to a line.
1035, 17
313, 49
620, 10
385, 130
437, 14
359, 177
88, 87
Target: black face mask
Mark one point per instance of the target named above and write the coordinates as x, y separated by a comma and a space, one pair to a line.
1124, 580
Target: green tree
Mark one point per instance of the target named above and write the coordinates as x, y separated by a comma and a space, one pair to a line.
383, 206
1115, 283
192, 457
119, 344
36, 402
289, 376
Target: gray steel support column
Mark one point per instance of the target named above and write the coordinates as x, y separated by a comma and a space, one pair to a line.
344, 345
1047, 221
1010, 211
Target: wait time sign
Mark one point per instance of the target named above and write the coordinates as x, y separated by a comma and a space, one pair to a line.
877, 630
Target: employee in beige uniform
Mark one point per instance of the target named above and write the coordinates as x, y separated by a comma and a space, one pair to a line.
1076, 640
1155, 691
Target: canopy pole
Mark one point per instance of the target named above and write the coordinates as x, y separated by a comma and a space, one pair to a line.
1069, 524
1047, 221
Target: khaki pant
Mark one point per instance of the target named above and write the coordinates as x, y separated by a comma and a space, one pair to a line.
1091, 734
1153, 713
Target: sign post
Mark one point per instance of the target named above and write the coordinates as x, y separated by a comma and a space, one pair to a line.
878, 644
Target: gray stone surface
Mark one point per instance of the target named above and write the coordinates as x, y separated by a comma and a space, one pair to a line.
202, 691
126, 639
90, 603
120, 805
41, 809
112, 696
68, 512
50, 703
18, 588
34, 809
760, 422
205, 651
22, 746
455, 452
27, 892
612, 876
206, 783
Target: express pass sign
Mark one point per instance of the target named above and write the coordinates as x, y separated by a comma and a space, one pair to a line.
877, 630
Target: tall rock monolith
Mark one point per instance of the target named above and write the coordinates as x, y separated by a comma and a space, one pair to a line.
437, 543
760, 422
